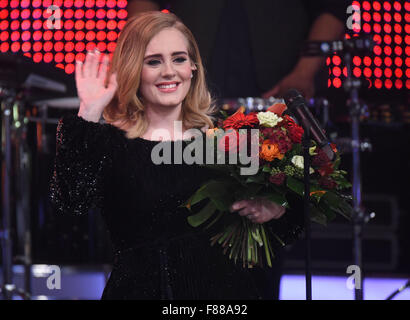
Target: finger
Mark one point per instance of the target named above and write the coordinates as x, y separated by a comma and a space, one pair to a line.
239, 205
78, 71
95, 63
103, 68
87, 64
112, 84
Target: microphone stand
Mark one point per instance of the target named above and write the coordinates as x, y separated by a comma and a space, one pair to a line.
306, 211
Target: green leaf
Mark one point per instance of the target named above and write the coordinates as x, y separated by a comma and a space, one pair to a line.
295, 185
317, 216
256, 235
203, 215
265, 242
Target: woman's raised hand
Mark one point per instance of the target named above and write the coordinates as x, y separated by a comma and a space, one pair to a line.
90, 79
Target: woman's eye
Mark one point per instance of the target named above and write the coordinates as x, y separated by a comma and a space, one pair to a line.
153, 62
180, 59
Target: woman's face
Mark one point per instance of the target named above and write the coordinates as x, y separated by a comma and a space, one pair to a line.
167, 69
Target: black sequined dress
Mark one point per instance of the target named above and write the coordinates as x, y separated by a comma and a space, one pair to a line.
158, 255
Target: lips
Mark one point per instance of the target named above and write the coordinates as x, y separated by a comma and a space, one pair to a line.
168, 86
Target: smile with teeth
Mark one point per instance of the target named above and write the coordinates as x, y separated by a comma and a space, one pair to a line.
167, 86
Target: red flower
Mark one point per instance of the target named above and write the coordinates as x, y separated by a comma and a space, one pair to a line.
320, 159
238, 141
326, 169
239, 120
277, 178
277, 108
280, 138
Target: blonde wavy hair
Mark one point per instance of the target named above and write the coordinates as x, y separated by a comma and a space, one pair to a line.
126, 110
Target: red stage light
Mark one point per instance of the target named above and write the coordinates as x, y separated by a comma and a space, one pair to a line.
407, 73
337, 83
37, 46
387, 28
58, 35
79, 14
378, 72
37, 57
79, 3
101, 35
69, 46
90, 25
357, 72
366, 5
37, 35
79, 25
397, 17
26, 46
407, 17
337, 72
407, 6
357, 60
25, 36
397, 28
407, 61
59, 57
387, 50
4, 47
100, 3
367, 72
122, 14
388, 61
387, 39
37, 24
397, 6
101, 24
90, 36
376, 5
367, 61
112, 36
14, 14
387, 6
388, 84
336, 60
101, 46
79, 35
69, 35
408, 84
398, 51
398, 61
58, 3
15, 46
68, 3
3, 3
377, 17
121, 24
47, 35
111, 46
397, 39
387, 17
58, 46
329, 83
407, 51
367, 28
80, 57
111, 25
48, 46
4, 14
388, 73
328, 60
378, 83
89, 3
111, 3
25, 14
69, 24
366, 16
377, 38
345, 71
407, 28
398, 73
79, 46
60, 65
4, 36
15, 25
377, 28
398, 84
90, 14
69, 57
69, 68
407, 39
121, 3
47, 3
90, 46
111, 14
37, 14
100, 14
14, 3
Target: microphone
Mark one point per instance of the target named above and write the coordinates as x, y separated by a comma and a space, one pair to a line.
298, 108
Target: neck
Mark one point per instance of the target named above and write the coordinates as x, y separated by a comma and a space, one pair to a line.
163, 118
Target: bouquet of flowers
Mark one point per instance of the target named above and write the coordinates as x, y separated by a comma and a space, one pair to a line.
276, 138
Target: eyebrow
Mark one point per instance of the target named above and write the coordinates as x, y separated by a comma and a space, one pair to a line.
158, 55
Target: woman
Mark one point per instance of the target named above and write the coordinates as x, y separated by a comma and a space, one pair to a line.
155, 79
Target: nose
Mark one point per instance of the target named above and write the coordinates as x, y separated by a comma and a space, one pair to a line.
168, 70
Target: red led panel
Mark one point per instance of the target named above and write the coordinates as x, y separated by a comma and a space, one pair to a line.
388, 23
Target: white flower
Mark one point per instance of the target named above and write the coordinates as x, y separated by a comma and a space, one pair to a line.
268, 119
298, 161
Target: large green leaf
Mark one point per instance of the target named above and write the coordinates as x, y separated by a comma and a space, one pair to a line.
204, 214
295, 185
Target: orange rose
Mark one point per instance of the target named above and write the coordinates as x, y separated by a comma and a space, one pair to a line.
270, 151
